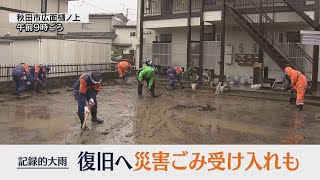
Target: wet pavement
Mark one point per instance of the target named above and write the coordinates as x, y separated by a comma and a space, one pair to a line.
177, 117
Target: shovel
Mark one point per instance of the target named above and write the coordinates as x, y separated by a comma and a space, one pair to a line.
292, 98
85, 120
156, 95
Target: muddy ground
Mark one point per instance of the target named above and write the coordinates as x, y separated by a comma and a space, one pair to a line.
177, 117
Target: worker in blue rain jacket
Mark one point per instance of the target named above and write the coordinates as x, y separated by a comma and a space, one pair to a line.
175, 74
85, 90
20, 74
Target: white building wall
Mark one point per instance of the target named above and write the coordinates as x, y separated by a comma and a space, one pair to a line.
98, 25
234, 36
26, 5
214, 16
31, 6
123, 36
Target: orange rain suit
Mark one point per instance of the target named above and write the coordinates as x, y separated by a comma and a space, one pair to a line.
123, 67
299, 82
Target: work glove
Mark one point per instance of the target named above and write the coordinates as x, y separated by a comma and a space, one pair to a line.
86, 110
91, 102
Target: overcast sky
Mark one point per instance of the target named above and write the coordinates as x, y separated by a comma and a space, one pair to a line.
104, 6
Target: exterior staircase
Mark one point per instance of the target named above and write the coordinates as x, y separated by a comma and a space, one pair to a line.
245, 13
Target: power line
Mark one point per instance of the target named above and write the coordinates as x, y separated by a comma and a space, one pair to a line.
99, 7
94, 6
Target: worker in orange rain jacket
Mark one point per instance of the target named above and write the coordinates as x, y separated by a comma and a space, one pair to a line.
21, 73
299, 83
40, 74
124, 67
85, 90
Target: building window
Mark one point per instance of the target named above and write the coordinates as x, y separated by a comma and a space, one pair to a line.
241, 49
167, 38
294, 36
87, 25
281, 38
218, 37
132, 34
208, 36
254, 48
210, 2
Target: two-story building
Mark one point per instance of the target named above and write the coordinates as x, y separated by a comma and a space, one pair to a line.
126, 39
79, 42
246, 31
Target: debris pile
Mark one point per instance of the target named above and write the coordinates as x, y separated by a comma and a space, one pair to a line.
192, 106
206, 108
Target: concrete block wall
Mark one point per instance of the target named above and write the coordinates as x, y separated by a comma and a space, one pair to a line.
54, 82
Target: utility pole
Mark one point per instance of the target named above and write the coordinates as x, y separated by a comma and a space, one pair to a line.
223, 40
127, 13
261, 29
315, 66
201, 42
189, 34
44, 6
123, 7
141, 32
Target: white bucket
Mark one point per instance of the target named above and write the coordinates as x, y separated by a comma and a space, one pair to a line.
194, 86
256, 86
211, 83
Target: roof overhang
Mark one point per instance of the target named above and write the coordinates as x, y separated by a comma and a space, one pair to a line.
122, 44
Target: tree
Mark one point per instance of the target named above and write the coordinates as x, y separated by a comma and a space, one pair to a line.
116, 54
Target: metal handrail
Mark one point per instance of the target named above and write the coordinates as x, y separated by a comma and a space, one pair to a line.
269, 20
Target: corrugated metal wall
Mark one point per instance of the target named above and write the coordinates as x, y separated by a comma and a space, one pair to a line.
55, 51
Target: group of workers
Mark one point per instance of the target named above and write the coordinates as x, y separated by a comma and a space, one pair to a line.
34, 76
87, 87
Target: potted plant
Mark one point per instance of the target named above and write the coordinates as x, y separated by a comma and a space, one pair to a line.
193, 77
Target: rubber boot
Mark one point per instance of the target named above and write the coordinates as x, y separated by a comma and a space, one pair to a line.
95, 119
300, 107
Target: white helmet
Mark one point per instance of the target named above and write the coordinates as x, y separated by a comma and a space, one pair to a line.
148, 62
